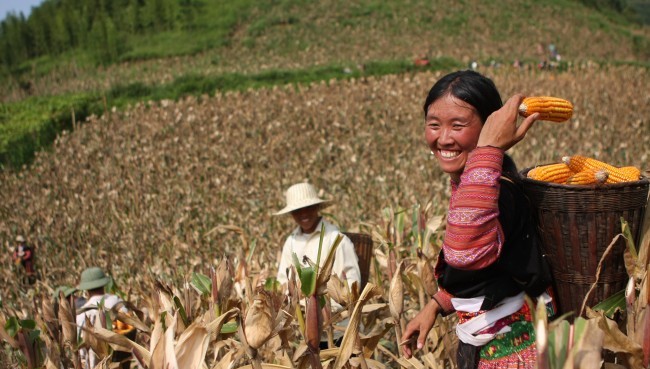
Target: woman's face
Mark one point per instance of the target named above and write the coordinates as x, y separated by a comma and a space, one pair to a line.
452, 131
307, 218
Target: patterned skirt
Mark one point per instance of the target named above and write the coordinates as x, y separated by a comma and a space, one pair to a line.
511, 350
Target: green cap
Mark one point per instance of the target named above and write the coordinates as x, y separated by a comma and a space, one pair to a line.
92, 278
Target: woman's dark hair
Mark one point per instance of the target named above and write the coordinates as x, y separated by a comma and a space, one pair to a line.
469, 86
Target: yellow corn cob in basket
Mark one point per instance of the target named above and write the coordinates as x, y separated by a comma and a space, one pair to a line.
579, 163
556, 173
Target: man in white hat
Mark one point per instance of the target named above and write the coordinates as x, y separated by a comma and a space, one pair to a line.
304, 205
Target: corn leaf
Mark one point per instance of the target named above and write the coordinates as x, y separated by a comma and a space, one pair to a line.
181, 310
163, 355
192, 346
587, 345
117, 341
27, 323
307, 280
266, 366
352, 332
307, 276
201, 283
131, 320
271, 284
627, 233
616, 341
12, 326
5, 336
230, 327
612, 304
558, 343
325, 272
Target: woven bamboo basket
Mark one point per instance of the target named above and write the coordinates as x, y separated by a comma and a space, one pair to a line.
363, 247
577, 224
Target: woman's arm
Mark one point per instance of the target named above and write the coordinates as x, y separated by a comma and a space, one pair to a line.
420, 326
473, 238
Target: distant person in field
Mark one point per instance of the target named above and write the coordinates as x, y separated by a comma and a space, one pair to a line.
541, 54
93, 281
553, 53
24, 256
490, 256
304, 205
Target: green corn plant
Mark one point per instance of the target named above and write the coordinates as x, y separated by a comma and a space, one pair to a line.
634, 344
313, 285
23, 335
564, 345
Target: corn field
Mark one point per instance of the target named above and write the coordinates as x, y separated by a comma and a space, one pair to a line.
175, 200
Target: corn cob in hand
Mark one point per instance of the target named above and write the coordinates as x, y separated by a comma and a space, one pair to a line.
549, 108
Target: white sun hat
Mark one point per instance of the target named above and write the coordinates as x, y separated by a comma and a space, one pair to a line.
20, 238
300, 196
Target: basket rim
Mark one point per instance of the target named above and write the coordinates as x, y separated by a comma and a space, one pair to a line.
642, 181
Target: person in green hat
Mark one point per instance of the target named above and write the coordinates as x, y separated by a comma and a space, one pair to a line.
93, 280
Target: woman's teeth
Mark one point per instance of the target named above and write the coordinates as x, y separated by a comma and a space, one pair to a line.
448, 154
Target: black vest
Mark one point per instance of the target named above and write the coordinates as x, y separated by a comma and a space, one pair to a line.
520, 266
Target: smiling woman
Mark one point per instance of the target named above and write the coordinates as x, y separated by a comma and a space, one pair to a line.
489, 228
452, 130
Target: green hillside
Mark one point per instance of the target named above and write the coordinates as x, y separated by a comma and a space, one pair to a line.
72, 58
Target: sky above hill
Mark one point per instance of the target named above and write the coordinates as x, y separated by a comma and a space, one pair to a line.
17, 6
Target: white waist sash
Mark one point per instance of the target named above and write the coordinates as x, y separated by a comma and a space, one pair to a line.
467, 331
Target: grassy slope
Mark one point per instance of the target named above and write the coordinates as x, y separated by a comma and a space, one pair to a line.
238, 44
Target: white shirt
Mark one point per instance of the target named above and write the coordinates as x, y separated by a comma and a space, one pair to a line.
90, 310
303, 244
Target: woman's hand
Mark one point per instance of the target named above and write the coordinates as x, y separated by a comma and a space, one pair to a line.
500, 130
420, 325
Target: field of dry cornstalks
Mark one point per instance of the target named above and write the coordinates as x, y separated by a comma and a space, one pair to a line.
160, 191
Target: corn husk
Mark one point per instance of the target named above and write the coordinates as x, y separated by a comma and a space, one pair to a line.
259, 322
396, 293
351, 335
67, 320
163, 355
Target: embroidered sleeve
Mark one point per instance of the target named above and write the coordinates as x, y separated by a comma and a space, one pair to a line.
474, 236
443, 298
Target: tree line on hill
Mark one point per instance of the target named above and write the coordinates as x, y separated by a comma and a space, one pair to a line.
101, 26
634, 10
106, 29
